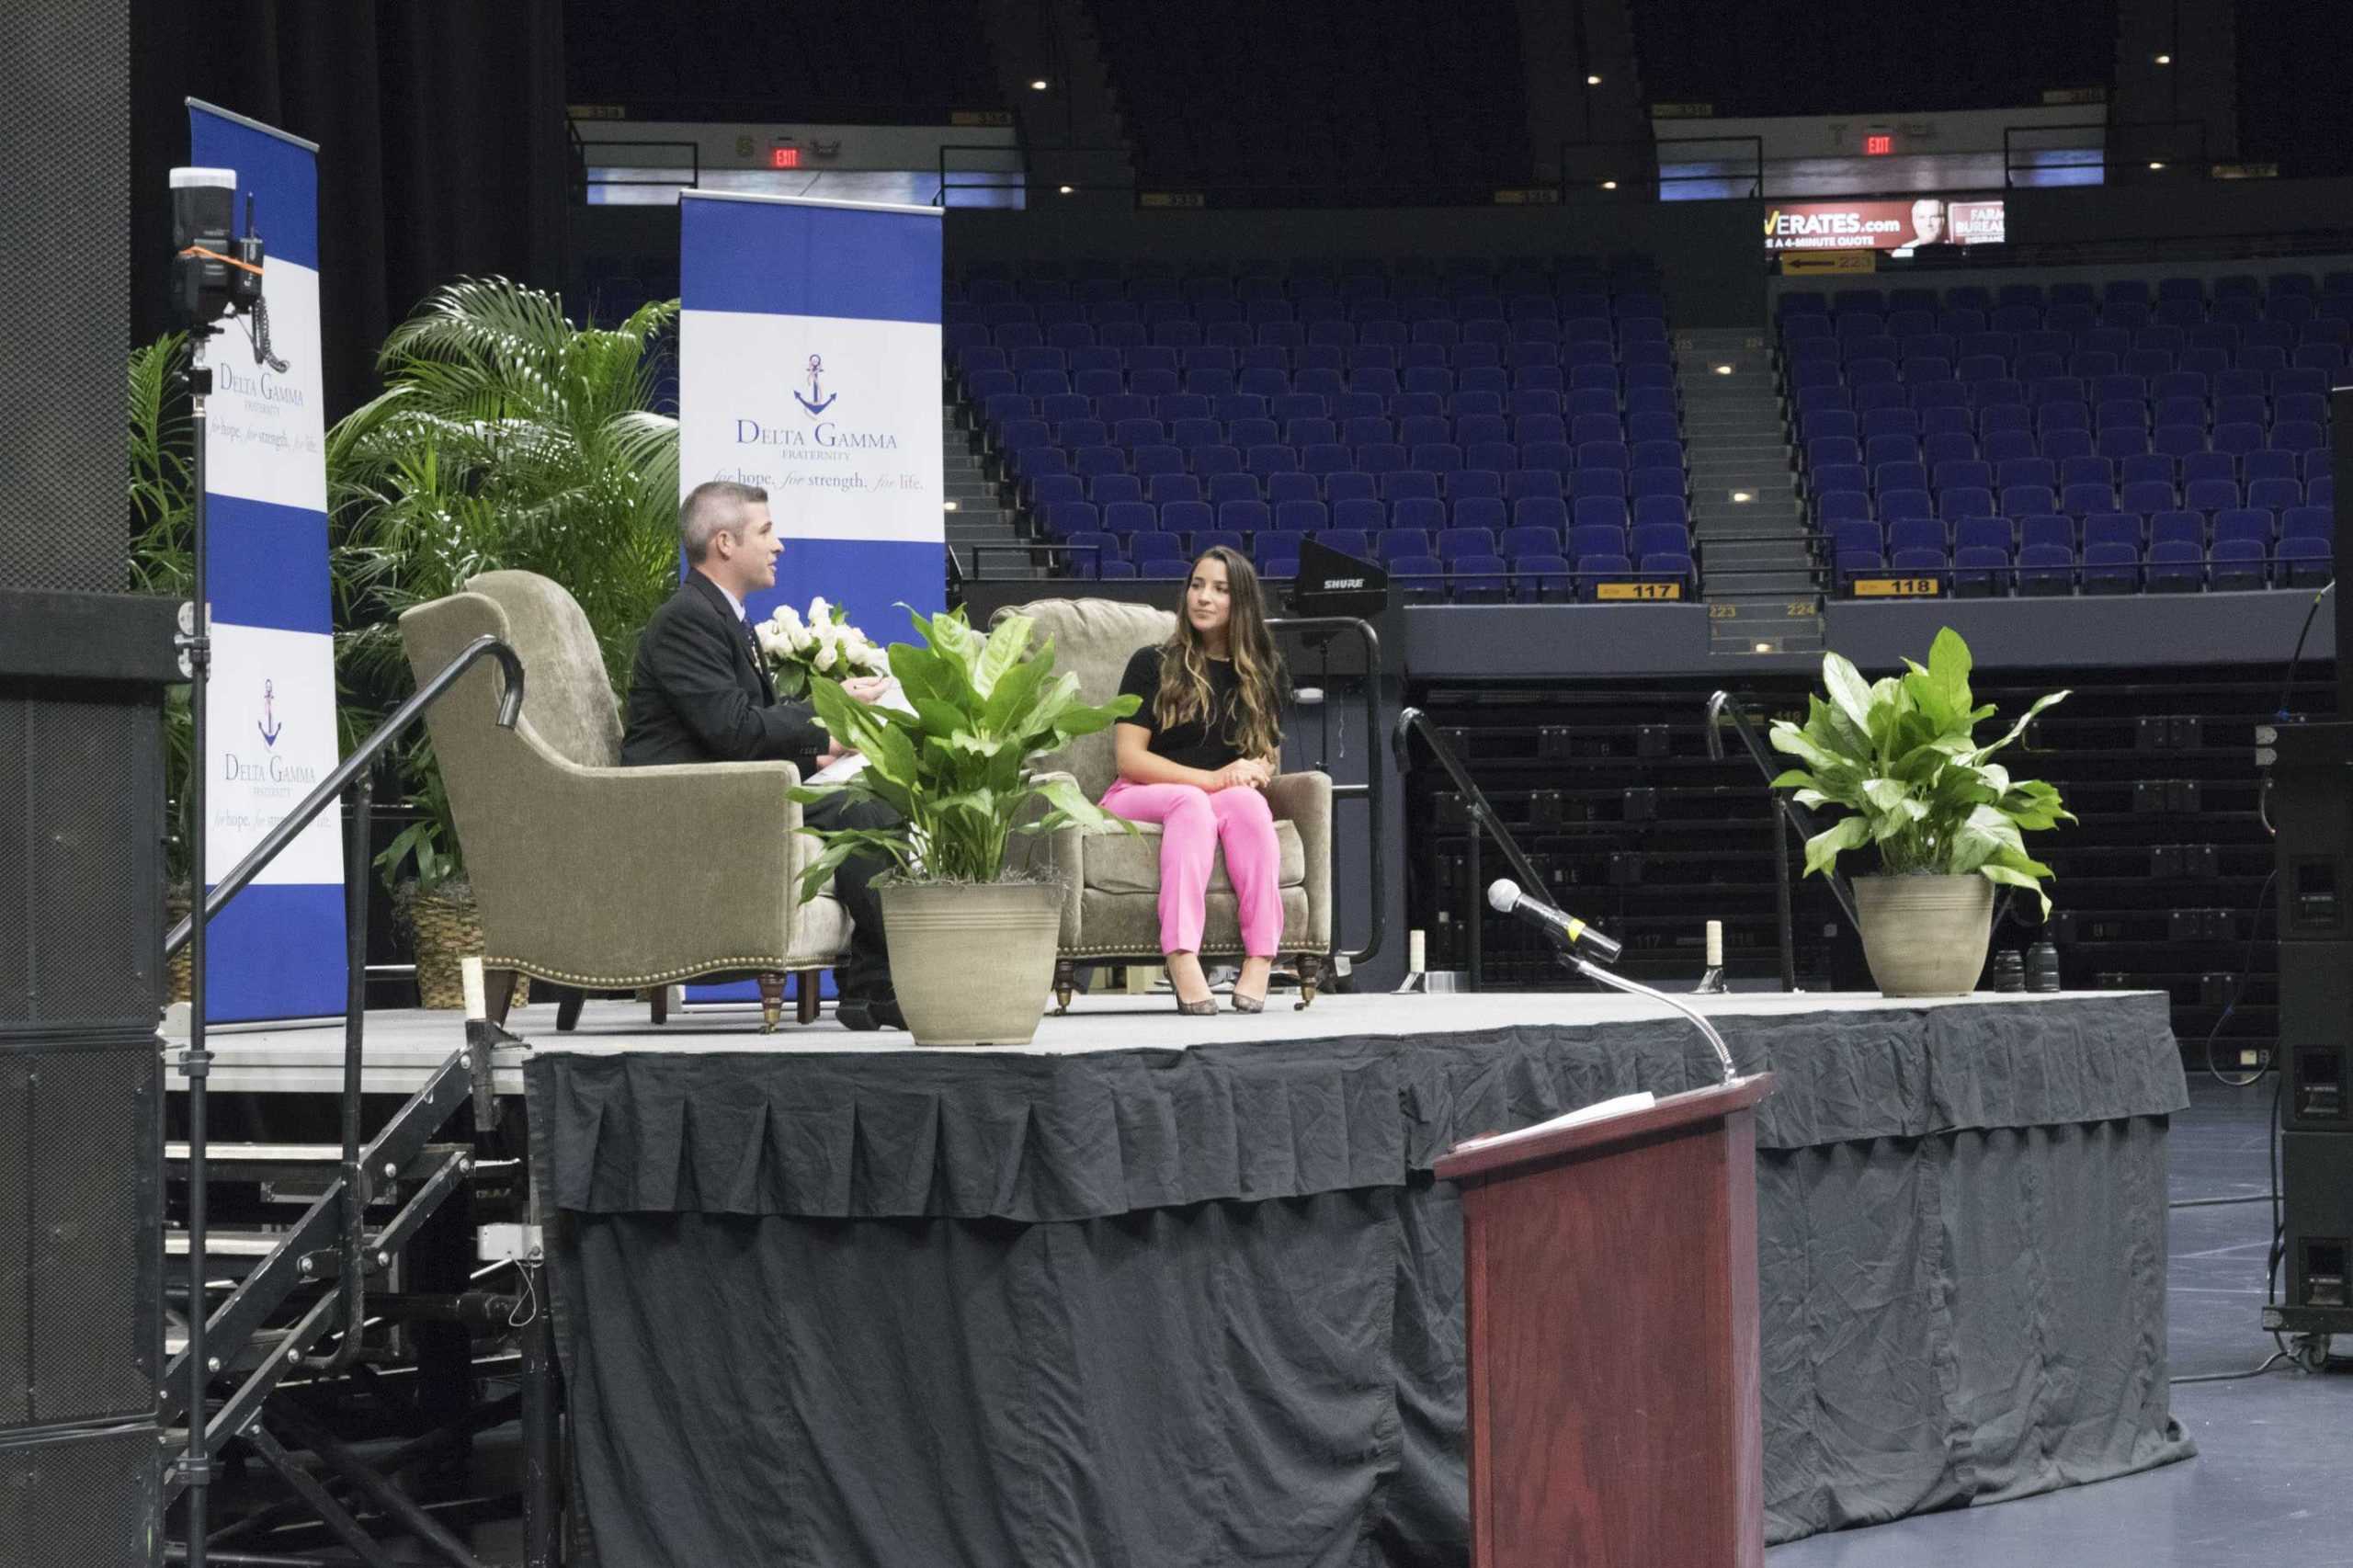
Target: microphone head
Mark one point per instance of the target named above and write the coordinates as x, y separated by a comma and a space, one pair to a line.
1503, 895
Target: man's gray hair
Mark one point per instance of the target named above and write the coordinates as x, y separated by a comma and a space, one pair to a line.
715, 506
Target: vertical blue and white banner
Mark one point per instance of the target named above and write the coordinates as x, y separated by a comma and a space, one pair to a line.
276, 951
809, 365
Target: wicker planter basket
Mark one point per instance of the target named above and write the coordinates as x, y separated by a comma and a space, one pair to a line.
176, 972
448, 931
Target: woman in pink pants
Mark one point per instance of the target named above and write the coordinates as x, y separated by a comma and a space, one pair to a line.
1196, 757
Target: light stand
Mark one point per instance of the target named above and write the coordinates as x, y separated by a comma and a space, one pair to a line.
214, 274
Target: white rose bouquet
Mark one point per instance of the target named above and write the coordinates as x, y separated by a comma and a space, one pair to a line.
822, 642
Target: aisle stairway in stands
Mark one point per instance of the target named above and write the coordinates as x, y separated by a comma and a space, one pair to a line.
980, 529
1756, 566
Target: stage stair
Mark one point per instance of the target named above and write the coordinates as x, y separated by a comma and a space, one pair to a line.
1757, 565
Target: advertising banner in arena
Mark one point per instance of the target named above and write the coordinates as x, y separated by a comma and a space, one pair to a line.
1897, 227
809, 365
275, 951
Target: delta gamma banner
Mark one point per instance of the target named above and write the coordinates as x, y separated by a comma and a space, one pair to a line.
809, 365
276, 950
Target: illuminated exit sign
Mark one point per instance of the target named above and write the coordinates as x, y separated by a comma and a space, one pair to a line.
789, 157
1879, 145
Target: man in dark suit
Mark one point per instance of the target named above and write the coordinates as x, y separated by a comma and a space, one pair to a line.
701, 692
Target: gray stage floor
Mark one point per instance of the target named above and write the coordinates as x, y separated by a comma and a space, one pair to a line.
2273, 1481
402, 1045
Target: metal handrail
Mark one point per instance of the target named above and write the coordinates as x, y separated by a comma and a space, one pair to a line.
510, 708
1482, 816
2107, 147
665, 173
1788, 815
351, 774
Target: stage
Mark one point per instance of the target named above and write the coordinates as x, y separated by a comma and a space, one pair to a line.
1160, 1289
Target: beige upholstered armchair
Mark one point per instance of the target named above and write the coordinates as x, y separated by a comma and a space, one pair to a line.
1111, 880
595, 875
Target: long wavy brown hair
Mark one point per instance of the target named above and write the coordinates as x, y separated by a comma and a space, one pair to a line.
1185, 693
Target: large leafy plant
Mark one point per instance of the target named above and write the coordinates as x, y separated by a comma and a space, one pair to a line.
162, 496
1901, 755
956, 769
506, 437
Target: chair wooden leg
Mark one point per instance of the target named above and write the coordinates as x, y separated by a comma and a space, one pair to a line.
658, 998
569, 1000
1065, 984
805, 998
771, 1001
1311, 971
498, 993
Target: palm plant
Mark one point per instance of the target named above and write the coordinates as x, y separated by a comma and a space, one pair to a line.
506, 437
162, 499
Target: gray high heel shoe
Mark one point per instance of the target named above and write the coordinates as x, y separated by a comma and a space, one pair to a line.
1248, 1004
1204, 1008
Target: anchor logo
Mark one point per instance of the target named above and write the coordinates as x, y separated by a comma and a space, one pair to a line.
269, 727
816, 403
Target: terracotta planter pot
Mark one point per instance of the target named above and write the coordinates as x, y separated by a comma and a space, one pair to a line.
1926, 936
973, 964
448, 931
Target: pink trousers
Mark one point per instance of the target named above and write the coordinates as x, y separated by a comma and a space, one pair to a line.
1193, 824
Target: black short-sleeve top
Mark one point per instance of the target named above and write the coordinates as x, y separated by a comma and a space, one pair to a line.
1206, 746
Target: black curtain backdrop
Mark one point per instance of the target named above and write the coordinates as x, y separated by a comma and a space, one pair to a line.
443, 146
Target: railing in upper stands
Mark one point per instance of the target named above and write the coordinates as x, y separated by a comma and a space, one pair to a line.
685, 175
1644, 166
2160, 144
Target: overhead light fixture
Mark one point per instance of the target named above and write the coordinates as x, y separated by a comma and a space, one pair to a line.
1593, 81
1039, 85
1723, 370
2155, 168
1610, 184
2165, 59
1065, 189
1763, 647
1742, 497
948, 505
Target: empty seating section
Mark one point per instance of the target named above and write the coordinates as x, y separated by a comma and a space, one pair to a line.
1238, 97
826, 61
1489, 431
2136, 435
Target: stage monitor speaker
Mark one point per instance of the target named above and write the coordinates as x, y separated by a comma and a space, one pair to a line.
81, 1237
65, 187
81, 921
2312, 809
88, 1500
2316, 1213
2316, 1037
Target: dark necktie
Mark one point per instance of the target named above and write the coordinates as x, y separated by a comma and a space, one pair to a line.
760, 664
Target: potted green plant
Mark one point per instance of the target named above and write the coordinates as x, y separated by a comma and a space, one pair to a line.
1948, 822
971, 946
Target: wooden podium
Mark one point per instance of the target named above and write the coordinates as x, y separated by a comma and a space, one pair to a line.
1611, 1325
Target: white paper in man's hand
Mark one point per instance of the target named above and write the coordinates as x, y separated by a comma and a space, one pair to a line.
842, 769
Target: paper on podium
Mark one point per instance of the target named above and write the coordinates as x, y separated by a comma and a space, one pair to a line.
1602, 1110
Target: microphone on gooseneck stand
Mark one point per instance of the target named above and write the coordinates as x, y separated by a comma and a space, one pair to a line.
1571, 934
1505, 897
